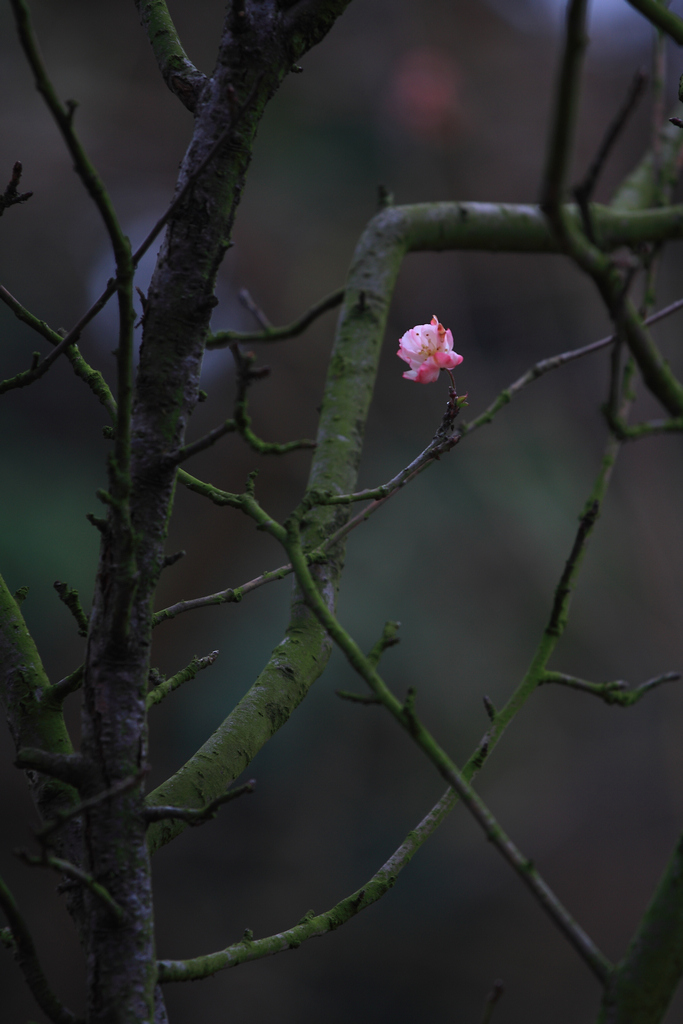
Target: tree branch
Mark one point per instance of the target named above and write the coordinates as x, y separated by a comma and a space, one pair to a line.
553, 363
491, 1001
644, 982
221, 339
69, 768
584, 190
589, 257
566, 108
313, 925
228, 596
178, 71
27, 958
161, 690
11, 196
405, 715
69, 684
64, 867
188, 450
616, 692
62, 817
70, 599
198, 815
661, 16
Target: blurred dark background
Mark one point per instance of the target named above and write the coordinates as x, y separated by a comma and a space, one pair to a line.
435, 101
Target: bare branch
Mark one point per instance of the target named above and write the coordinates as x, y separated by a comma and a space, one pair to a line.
161, 690
73, 812
70, 768
491, 1000
553, 363
661, 16
406, 716
197, 815
186, 452
584, 190
566, 107
228, 596
11, 196
70, 684
178, 71
259, 316
644, 982
313, 925
70, 598
27, 377
389, 638
615, 692
222, 339
27, 958
64, 867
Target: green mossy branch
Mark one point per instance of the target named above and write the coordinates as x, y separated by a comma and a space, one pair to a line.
35, 720
643, 187
406, 716
162, 689
660, 16
70, 598
313, 925
637, 431
615, 692
178, 71
644, 982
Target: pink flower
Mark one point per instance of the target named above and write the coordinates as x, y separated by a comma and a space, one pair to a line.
428, 349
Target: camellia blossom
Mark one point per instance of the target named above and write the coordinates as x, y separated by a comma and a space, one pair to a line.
428, 349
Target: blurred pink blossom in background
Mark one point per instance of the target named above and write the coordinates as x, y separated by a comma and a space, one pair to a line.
425, 97
428, 349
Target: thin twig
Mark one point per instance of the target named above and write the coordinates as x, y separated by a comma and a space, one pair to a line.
11, 196
358, 698
584, 190
221, 339
27, 958
313, 925
247, 374
616, 692
492, 998
70, 598
64, 867
197, 815
94, 801
161, 690
229, 596
186, 452
259, 316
